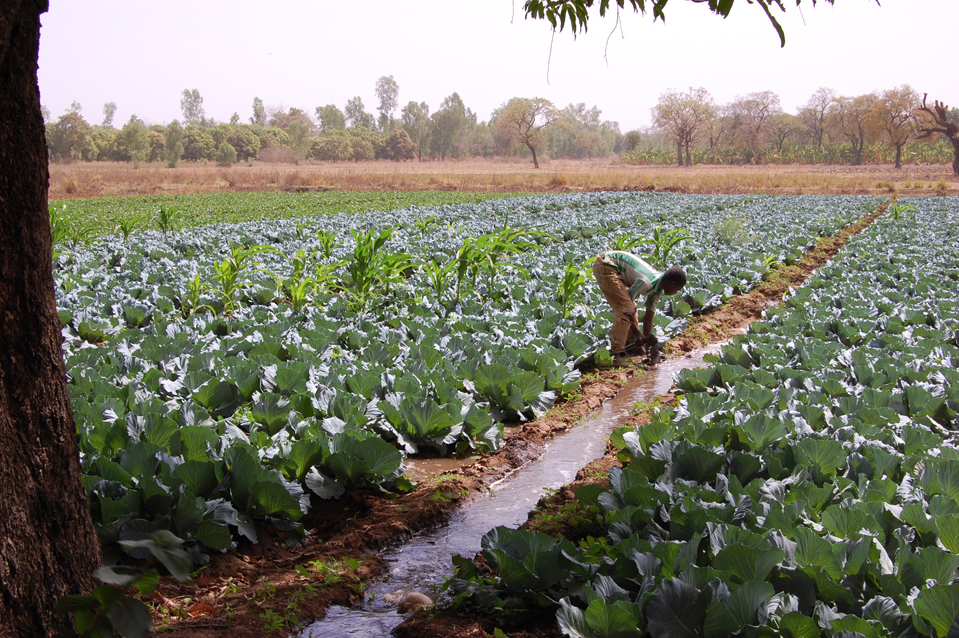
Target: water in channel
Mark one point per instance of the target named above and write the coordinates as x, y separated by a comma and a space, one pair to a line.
422, 563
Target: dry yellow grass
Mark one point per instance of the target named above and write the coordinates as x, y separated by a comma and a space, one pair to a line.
112, 179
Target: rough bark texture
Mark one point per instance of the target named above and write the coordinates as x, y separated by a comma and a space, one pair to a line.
48, 547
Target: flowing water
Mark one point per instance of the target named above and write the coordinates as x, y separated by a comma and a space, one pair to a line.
422, 563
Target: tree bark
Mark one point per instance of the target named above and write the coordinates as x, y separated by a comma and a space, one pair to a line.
48, 547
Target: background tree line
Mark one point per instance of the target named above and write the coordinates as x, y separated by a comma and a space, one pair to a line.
892, 126
688, 127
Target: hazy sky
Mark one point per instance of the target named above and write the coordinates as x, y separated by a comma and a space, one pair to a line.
307, 53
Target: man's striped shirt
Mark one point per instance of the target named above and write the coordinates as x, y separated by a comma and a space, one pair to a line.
640, 277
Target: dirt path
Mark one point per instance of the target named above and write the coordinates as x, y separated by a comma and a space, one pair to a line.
270, 589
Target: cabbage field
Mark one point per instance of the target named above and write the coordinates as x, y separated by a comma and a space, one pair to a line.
235, 373
805, 485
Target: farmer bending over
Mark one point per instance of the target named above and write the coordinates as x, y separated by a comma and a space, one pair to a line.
623, 277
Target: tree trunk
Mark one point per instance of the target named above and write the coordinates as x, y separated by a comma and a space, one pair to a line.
679, 153
48, 547
898, 155
533, 151
955, 155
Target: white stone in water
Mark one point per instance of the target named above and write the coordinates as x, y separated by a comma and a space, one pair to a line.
413, 601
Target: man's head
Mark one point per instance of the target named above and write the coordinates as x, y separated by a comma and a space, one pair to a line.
673, 281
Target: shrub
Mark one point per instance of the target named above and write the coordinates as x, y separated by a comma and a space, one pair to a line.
334, 147
398, 146
226, 155
198, 144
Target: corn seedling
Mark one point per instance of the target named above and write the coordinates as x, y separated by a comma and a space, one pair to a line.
168, 219
898, 209
328, 242
228, 272
663, 243
127, 224
571, 286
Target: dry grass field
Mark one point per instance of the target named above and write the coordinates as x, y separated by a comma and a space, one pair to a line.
114, 179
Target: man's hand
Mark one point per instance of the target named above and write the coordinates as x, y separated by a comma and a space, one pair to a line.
650, 340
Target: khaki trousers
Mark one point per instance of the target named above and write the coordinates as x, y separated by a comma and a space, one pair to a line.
624, 308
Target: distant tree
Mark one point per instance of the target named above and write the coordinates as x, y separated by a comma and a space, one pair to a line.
336, 146
750, 118
387, 92
75, 108
174, 143
815, 113
259, 112
68, 136
235, 118
782, 126
245, 141
271, 137
448, 125
157, 143
525, 120
356, 116
330, 118
632, 141
225, 155
45, 113
198, 143
684, 118
398, 146
299, 137
191, 104
135, 138
102, 144
363, 149
220, 133
850, 119
281, 118
894, 112
367, 144
416, 122
109, 110
936, 120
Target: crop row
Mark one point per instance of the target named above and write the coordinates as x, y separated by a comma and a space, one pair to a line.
82, 219
235, 372
807, 484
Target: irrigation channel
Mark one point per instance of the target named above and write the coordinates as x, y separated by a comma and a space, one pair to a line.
422, 563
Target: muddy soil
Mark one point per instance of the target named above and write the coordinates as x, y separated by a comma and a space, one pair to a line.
272, 588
